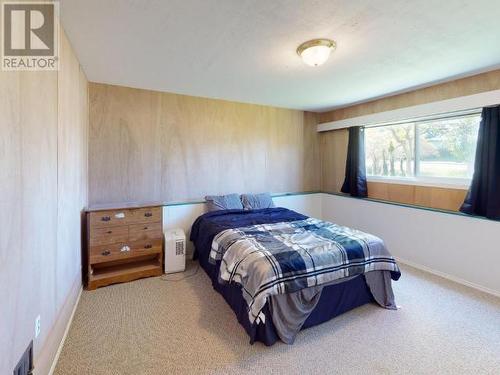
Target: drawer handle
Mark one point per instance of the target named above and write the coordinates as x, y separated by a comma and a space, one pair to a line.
148, 246
145, 228
125, 248
106, 252
109, 232
148, 214
105, 218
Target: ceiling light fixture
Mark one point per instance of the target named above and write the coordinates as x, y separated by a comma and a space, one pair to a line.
315, 52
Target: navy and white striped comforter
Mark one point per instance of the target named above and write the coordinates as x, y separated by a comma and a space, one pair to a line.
270, 259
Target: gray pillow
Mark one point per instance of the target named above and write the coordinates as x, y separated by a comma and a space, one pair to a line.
223, 202
254, 201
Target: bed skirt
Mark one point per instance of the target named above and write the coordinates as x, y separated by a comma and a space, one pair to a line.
335, 300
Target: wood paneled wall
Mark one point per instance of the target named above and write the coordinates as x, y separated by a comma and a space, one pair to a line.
43, 137
334, 143
333, 153
153, 146
72, 142
461, 87
427, 196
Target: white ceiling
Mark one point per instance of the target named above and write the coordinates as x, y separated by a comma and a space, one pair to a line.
244, 50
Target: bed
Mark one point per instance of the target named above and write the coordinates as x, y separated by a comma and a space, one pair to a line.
307, 298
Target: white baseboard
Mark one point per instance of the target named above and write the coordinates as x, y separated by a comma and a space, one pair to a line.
59, 349
449, 277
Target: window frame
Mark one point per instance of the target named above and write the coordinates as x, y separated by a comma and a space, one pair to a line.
443, 182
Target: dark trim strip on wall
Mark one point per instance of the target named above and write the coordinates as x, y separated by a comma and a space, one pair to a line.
449, 212
120, 206
291, 194
276, 195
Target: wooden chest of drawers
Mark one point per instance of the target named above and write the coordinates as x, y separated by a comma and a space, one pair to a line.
123, 245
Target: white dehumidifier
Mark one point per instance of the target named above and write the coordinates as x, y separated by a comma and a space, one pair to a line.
175, 250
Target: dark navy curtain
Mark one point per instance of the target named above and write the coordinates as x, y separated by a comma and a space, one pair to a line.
483, 198
355, 171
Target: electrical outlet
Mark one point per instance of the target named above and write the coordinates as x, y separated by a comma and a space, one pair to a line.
38, 326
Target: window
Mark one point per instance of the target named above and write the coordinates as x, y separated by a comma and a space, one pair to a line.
429, 150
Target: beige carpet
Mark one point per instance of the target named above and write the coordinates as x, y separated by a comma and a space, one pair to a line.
156, 327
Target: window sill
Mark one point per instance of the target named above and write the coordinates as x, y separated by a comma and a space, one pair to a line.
447, 183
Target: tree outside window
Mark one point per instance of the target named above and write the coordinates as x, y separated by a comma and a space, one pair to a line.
434, 148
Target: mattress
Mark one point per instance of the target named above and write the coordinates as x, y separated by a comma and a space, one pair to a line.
335, 299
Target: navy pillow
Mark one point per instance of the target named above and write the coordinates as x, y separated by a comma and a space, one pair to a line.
223, 202
255, 201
